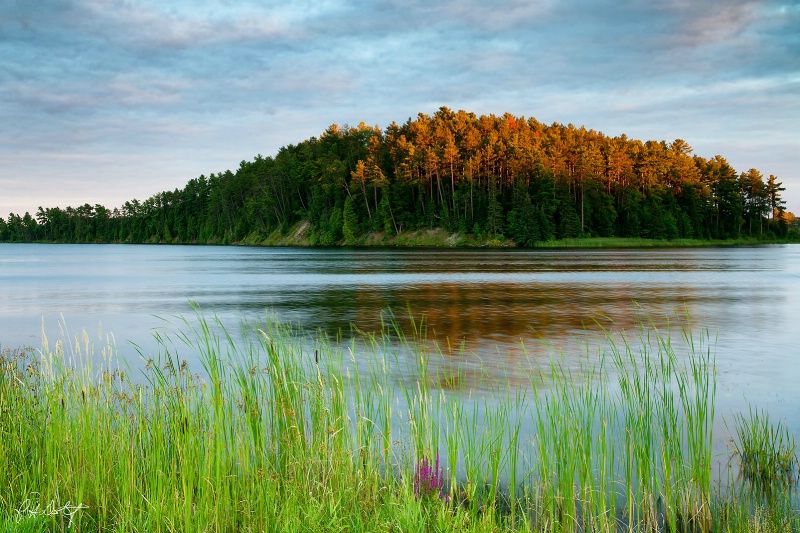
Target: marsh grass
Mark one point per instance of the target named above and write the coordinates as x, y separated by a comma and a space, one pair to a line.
279, 432
765, 452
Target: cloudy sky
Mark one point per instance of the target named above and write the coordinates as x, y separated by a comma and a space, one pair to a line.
103, 101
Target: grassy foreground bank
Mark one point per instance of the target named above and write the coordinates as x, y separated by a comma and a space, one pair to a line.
275, 434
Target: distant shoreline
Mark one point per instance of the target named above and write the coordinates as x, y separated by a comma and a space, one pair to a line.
299, 235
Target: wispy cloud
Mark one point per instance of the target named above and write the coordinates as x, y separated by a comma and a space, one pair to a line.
199, 84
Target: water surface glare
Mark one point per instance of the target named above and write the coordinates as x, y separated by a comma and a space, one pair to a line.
488, 301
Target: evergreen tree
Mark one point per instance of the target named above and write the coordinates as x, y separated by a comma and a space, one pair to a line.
452, 170
630, 221
350, 222
600, 211
569, 222
523, 222
494, 212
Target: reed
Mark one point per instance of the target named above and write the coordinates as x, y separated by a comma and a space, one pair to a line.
766, 453
280, 431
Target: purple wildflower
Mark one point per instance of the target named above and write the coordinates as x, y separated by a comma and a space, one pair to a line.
429, 480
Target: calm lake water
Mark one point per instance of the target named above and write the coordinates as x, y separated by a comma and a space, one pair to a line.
487, 301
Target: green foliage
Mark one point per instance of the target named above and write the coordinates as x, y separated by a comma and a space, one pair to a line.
350, 223
766, 452
494, 211
282, 430
331, 228
569, 222
523, 222
451, 170
24, 524
630, 221
601, 212
385, 215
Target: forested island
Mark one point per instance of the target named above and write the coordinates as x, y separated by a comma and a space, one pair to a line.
496, 179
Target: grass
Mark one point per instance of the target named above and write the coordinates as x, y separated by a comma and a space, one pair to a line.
277, 432
766, 453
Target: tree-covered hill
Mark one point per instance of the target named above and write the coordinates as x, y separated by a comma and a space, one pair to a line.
484, 175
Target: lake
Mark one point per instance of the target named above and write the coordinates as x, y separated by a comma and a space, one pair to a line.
487, 303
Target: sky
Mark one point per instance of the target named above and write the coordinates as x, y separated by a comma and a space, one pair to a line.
104, 101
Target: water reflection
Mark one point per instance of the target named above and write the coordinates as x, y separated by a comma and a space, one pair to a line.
480, 306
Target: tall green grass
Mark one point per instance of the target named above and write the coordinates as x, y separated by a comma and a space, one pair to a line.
765, 452
278, 432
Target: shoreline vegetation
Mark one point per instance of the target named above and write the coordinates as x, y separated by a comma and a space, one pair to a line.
490, 179
300, 235
281, 432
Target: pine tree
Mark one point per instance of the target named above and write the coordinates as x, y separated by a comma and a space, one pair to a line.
523, 224
494, 212
350, 223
